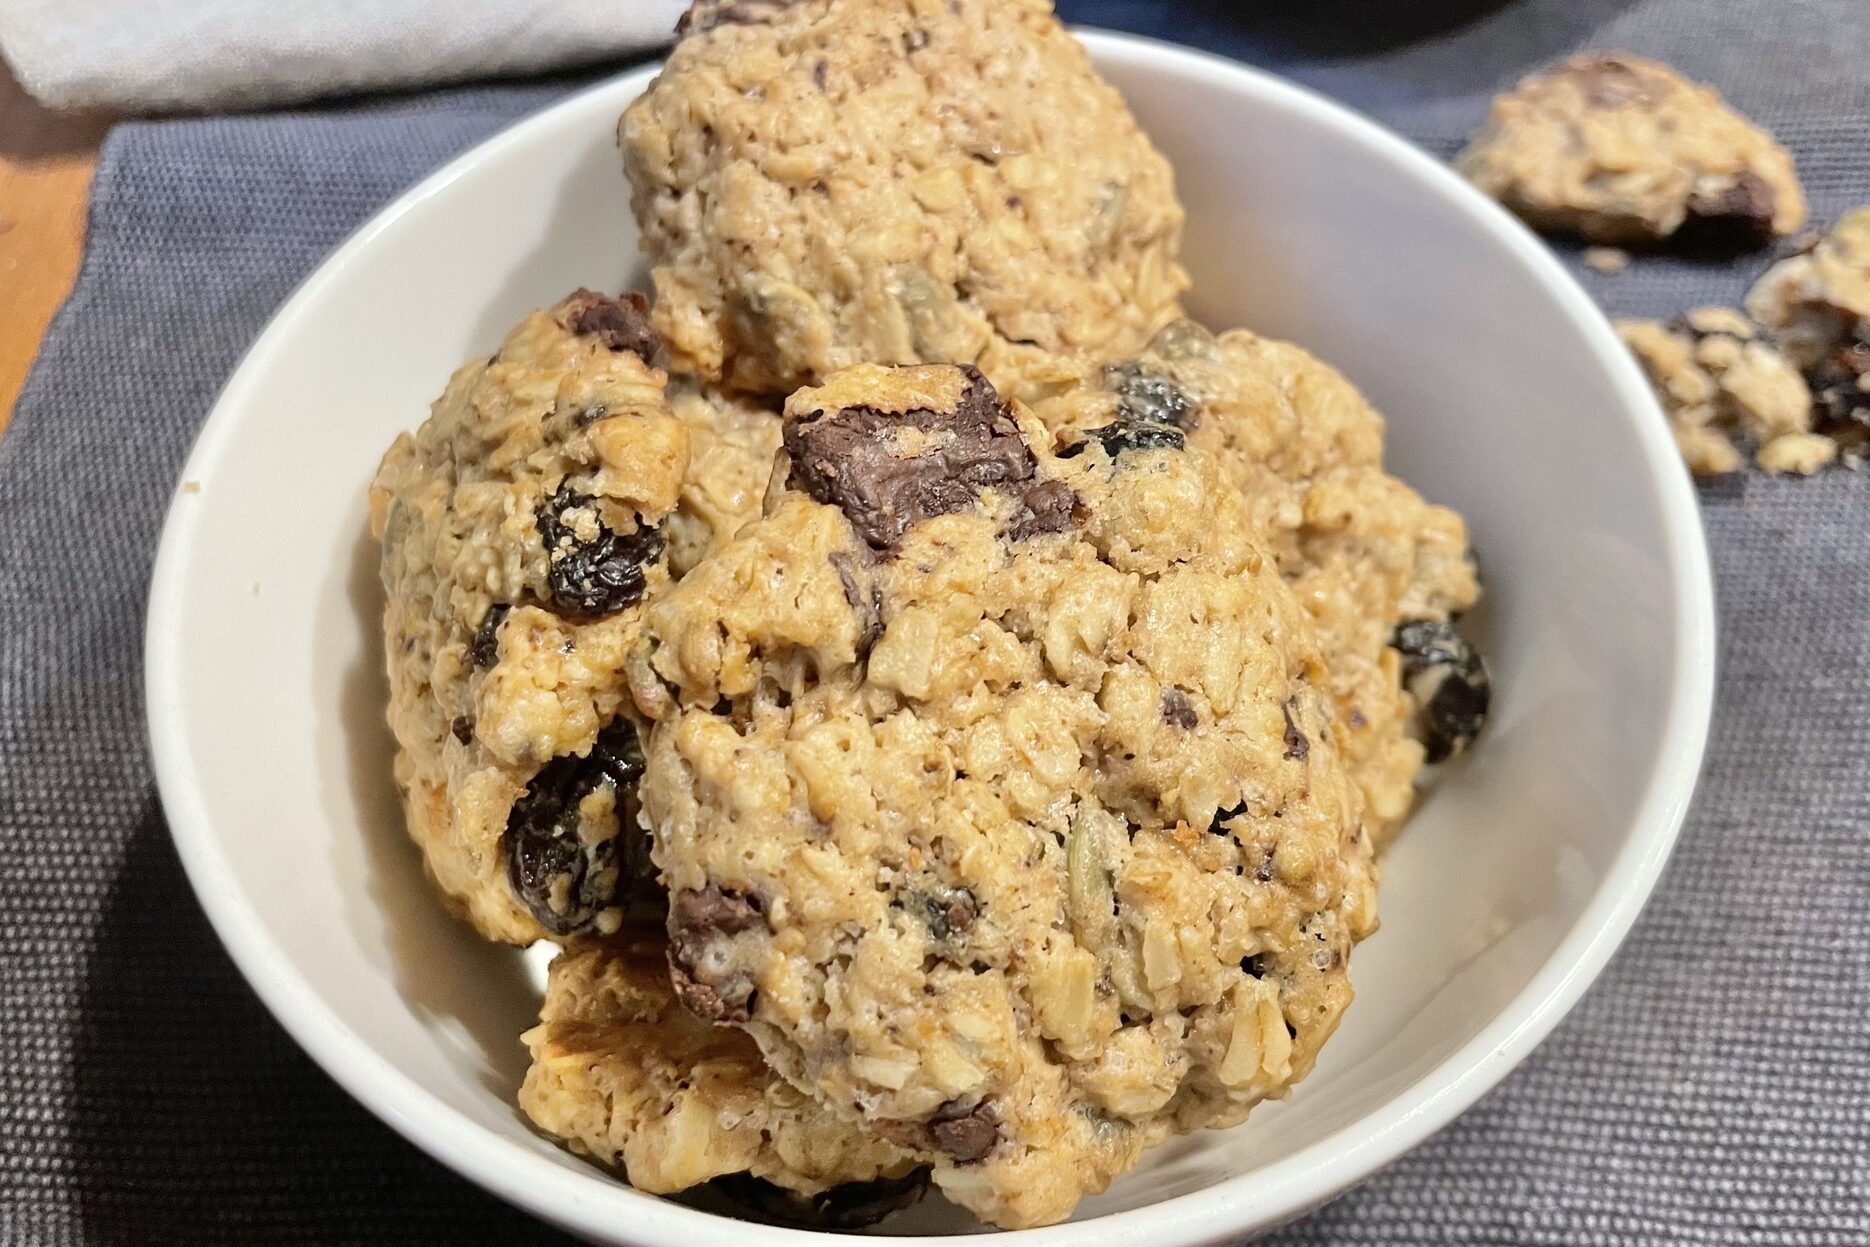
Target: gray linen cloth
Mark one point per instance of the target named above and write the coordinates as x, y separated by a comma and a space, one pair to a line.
159, 55
1714, 1087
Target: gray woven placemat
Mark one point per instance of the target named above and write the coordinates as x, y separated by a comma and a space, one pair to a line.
1713, 1088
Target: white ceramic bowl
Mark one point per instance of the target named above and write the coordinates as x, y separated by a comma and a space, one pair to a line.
1508, 397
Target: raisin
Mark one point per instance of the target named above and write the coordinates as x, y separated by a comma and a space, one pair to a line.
701, 921
563, 875
1148, 397
1124, 434
485, 649
620, 324
1449, 682
1177, 711
848, 1206
965, 1132
597, 577
850, 459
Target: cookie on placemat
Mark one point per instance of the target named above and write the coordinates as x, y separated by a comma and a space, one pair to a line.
1363, 551
1719, 379
822, 183
523, 526
999, 793
1817, 303
1621, 149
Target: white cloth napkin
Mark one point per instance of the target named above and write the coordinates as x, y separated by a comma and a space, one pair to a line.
167, 55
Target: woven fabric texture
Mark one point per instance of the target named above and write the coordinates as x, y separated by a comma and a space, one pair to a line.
1714, 1087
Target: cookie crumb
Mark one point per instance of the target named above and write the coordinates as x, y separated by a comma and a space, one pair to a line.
1799, 454
1607, 260
191, 487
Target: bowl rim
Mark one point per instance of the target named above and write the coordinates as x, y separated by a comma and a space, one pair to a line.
597, 1206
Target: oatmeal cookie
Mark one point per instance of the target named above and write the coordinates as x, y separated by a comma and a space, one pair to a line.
1817, 304
625, 1075
522, 528
822, 183
1718, 379
1363, 552
1621, 149
998, 793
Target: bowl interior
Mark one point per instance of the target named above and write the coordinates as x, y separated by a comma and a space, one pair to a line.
1506, 397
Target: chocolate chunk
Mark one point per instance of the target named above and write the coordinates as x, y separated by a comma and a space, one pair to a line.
848, 1206
1297, 746
484, 651
1125, 434
1177, 710
705, 15
965, 1132
701, 922
849, 459
598, 577
1048, 507
1840, 400
563, 875
1449, 683
620, 324
1739, 214
1149, 397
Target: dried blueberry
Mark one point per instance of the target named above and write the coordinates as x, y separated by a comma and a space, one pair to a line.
1125, 434
1147, 396
566, 872
849, 1206
1449, 682
1178, 711
599, 576
485, 649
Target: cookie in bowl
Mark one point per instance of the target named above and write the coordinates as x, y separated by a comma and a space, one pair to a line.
823, 183
523, 527
998, 793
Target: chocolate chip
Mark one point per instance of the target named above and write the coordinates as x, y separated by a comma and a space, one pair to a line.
1739, 214
868, 607
1258, 966
620, 324
463, 729
600, 576
965, 1132
1449, 682
562, 874
1297, 746
484, 651
849, 459
1177, 711
847, 1206
701, 924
